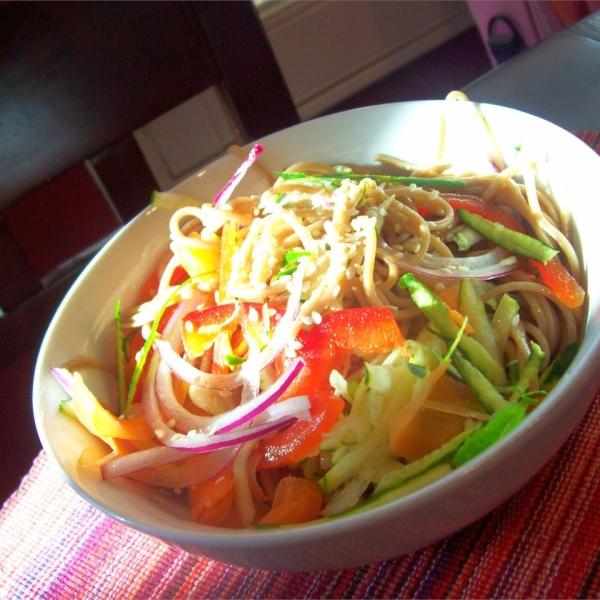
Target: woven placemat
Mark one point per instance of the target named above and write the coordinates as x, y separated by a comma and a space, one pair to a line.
542, 543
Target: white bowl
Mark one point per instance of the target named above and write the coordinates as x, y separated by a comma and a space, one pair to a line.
409, 130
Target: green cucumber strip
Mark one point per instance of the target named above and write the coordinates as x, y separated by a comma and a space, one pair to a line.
500, 424
439, 315
480, 386
503, 319
513, 241
338, 177
412, 485
472, 307
530, 371
513, 372
121, 359
466, 237
558, 366
402, 474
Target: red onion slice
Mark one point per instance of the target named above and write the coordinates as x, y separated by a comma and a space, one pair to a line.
190, 374
65, 378
206, 466
246, 412
490, 265
223, 196
227, 429
209, 443
170, 407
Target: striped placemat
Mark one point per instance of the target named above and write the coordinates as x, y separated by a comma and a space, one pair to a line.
542, 543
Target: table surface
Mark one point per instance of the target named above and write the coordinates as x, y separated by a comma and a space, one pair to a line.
557, 80
544, 542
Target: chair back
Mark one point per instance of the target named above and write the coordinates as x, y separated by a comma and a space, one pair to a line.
76, 80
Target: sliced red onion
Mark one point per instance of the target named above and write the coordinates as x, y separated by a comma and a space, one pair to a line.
65, 378
490, 265
250, 371
190, 374
228, 429
209, 443
245, 413
298, 407
282, 331
170, 407
204, 467
223, 196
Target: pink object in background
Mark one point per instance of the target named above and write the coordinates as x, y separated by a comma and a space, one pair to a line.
535, 20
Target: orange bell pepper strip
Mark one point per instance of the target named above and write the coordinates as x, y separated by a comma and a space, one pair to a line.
297, 500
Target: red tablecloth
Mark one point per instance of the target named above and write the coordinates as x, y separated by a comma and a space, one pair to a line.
542, 543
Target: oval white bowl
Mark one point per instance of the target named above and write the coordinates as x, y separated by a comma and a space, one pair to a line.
83, 325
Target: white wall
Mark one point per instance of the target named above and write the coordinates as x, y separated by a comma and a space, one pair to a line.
327, 50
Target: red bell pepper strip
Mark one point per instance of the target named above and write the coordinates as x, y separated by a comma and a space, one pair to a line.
302, 438
561, 282
359, 331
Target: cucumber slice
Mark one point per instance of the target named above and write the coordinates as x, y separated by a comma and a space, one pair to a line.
513, 241
439, 315
471, 306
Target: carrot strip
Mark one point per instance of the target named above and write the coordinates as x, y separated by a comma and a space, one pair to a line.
296, 501
211, 500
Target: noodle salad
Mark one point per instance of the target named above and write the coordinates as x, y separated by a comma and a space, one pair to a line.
345, 337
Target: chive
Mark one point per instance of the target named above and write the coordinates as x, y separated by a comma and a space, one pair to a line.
293, 255
145, 351
417, 370
121, 358
289, 259
337, 177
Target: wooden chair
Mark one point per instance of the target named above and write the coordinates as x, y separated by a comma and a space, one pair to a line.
76, 79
